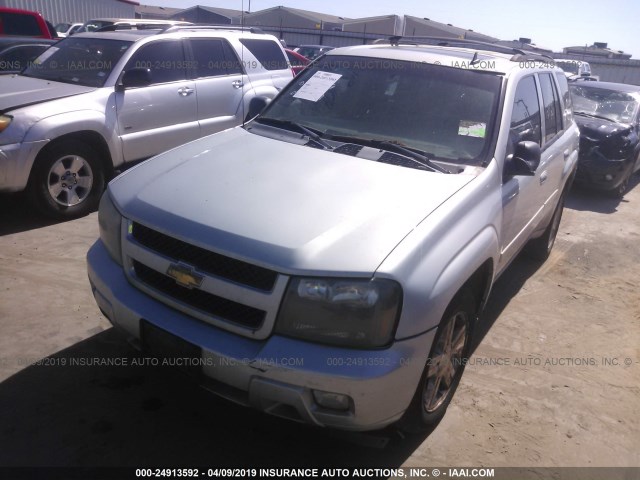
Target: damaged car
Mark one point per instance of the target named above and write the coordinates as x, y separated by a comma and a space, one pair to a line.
608, 117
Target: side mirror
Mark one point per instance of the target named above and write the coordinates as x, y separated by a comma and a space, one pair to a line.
136, 77
525, 160
256, 106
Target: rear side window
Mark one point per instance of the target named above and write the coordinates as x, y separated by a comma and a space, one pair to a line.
19, 24
567, 112
525, 117
214, 57
165, 59
268, 53
552, 113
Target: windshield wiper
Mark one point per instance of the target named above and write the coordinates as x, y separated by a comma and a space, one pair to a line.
593, 115
419, 157
288, 124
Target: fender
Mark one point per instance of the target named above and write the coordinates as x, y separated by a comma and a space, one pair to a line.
56, 126
442, 253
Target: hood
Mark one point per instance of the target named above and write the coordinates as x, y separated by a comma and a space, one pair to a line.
287, 207
600, 129
18, 91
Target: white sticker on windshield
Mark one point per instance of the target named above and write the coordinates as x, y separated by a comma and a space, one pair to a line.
45, 55
317, 86
472, 129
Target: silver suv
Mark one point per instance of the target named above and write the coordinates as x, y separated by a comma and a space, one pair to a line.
328, 261
96, 101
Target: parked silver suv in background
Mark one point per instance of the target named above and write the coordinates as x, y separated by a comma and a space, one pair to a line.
96, 101
328, 261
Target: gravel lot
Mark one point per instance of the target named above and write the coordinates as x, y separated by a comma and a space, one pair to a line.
554, 379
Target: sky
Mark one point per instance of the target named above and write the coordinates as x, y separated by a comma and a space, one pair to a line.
552, 24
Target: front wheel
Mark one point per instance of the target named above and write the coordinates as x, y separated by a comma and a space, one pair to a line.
540, 248
621, 189
444, 367
68, 180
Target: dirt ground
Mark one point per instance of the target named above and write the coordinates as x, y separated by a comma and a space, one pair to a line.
554, 379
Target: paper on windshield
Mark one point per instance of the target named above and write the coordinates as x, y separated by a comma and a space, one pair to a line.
317, 86
472, 129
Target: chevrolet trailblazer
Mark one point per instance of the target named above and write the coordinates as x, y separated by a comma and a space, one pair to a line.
327, 262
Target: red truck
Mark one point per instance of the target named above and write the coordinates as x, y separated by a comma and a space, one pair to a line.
24, 23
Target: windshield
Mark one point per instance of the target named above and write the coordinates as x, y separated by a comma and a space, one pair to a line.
444, 112
81, 61
613, 105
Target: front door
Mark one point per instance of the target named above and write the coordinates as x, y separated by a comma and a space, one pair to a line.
163, 115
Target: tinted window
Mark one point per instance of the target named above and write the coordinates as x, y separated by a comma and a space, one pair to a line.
268, 53
552, 116
567, 114
525, 117
214, 57
18, 24
165, 59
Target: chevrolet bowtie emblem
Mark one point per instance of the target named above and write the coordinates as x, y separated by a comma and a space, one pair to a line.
185, 275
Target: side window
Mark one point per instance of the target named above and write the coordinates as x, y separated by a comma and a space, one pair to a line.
567, 113
268, 53
525, 117
165, 59
234, 65
552, 115
214, 57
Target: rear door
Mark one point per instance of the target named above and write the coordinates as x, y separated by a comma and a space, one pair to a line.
163, 115
220, 84
272, 68
555, 146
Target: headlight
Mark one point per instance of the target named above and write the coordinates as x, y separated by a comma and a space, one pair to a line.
357, 313
110, 221
5, 120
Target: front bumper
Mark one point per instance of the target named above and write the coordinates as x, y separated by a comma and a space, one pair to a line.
277, 375
601, 173
16, 161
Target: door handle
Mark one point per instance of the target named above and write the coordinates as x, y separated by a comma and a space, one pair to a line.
184, 91
237, 84
543, 177
566, 153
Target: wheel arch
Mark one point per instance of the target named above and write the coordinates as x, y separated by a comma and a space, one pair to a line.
88, 137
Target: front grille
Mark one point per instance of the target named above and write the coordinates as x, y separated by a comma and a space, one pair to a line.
205, 260
205, 302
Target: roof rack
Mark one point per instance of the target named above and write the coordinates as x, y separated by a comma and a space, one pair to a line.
518, 54
177, 28
117, 27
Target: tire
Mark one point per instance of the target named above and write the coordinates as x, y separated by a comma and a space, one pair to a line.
444, 367
67, 180
540, 248
621, 189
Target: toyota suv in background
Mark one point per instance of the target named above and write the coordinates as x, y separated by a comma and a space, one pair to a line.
328, 261
97, 101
